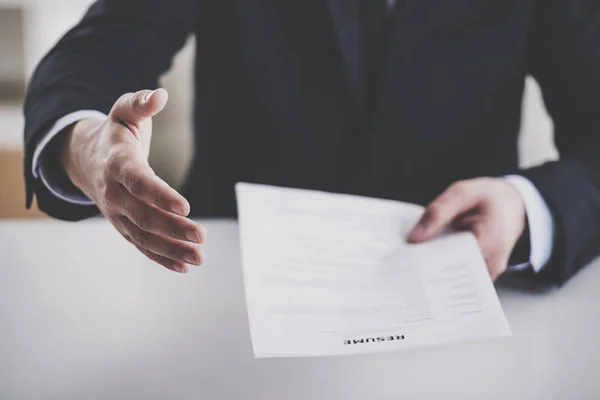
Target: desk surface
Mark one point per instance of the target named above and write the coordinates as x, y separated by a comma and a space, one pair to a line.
83, 316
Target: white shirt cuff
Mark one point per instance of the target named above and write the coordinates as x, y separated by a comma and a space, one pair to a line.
540, 221
38, 169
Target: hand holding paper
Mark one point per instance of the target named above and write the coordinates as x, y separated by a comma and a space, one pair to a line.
491, 208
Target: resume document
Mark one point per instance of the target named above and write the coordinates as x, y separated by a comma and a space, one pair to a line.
332, 274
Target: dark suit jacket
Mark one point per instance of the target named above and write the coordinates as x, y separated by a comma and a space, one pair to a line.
280, 98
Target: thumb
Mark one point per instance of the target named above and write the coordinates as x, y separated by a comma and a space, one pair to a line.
134, 108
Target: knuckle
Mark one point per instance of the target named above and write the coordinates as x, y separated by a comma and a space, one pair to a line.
121, 101
136, 184
141, 239
174, 231
176, 252
137, 99
460, 189
160, 201
141, 219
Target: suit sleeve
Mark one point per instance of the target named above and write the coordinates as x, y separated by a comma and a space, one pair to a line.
118, 47
565, 60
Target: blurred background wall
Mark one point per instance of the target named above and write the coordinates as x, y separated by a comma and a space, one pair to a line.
28, 28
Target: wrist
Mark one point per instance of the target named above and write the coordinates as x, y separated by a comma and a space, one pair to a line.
75, 151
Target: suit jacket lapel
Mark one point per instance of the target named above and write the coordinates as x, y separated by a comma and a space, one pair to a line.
348, 27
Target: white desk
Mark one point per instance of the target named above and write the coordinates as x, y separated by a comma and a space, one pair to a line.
83, 316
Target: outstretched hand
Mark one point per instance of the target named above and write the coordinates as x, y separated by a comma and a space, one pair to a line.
108, 161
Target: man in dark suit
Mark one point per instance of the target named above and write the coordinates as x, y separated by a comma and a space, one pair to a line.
400, 99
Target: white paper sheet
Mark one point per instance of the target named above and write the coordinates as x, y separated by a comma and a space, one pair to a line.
332, 274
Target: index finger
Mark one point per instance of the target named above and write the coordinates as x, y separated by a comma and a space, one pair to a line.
456, 200
141, 181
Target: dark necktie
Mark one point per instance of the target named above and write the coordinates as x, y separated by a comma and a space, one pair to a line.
376, 22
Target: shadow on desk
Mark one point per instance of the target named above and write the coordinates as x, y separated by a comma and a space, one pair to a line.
517, 283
